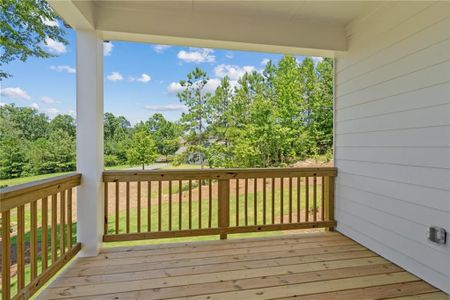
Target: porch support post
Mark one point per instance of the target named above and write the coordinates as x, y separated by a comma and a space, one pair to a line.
89, 141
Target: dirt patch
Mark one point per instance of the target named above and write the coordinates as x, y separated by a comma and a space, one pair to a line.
195, 192
312, 163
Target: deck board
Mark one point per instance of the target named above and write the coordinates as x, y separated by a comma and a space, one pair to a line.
305, 266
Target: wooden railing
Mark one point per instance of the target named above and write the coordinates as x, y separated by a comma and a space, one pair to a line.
180, 203
37, 233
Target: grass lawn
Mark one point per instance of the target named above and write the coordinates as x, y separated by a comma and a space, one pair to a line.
204, 215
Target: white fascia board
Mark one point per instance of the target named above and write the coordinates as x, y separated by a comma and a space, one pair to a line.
77, 16
221, 31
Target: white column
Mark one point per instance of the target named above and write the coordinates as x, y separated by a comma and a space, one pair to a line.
90, 141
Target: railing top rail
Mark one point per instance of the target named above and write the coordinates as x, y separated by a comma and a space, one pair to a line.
20, 194
186, 174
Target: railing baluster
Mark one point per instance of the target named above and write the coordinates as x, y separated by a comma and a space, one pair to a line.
237, 202
33, 239
180, 206
307, 199
6, 254
290, 199
170, 204
298, 198
159, 205
315, 198
210, 203
273, 200
264, 200
54, 218
322, 205
199, 203
105, 208
255, 200
127, 209
138, 206
246, 201
62, 222
282, 200
69, 219
20, 248
44, 240
190, 204
117, 208
149, 206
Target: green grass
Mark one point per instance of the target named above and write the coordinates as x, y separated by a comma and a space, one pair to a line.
205, 213
21, 180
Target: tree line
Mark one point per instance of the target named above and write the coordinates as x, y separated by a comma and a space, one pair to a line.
268, 118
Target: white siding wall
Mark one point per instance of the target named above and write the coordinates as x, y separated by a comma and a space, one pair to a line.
393, 135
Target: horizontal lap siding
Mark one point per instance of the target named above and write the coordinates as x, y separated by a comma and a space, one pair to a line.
393, 135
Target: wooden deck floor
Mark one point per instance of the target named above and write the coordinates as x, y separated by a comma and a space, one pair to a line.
305, 266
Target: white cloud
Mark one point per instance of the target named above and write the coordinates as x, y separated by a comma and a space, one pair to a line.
14, 93
144, 78
264, 61
35, 106
63, 68
160, 48
107, 48
49, 22
48, 100
316, 59
71, 112
197, 55
166, 107
2, 104
55, 47
115, 76
50, 111
233, 72
212, 85
174, 88
229, 55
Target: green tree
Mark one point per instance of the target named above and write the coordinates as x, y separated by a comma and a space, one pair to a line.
12, 151
322, 108
142, 149
25, 27
65, 123
117, 134
30, 124
166, 134
55, 154
195, 97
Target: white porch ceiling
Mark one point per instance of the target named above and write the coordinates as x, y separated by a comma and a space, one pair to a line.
296, 27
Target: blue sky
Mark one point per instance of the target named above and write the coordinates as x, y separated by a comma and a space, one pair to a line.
139, 79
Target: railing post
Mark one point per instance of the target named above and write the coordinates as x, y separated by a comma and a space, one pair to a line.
329, 200
224, 205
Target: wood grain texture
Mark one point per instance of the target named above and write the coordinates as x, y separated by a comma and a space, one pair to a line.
30, 265
321, 266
